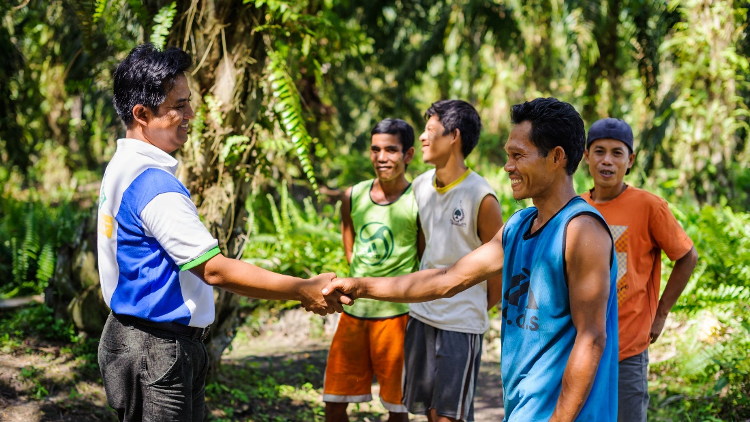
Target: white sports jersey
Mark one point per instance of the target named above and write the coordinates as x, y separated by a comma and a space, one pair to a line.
149, 234
449, 221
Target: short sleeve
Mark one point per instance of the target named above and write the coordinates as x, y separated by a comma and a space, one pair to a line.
172, 219
668, 234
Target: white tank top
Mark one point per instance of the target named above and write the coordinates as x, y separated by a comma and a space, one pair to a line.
449, 220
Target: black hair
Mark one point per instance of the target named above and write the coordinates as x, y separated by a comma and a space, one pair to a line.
553, 123
397, 127
145, 77
458, 114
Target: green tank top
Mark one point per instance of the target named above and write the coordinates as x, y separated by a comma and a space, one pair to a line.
385, 244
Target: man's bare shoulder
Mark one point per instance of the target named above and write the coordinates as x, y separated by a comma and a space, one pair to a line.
587, 234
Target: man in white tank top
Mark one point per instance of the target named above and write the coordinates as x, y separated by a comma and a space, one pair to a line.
459, 212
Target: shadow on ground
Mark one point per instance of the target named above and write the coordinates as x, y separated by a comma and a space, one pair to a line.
44, 383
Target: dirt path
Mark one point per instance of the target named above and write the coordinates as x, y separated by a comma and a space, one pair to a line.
279, 338
42, 382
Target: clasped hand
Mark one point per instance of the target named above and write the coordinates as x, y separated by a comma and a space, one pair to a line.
322, 304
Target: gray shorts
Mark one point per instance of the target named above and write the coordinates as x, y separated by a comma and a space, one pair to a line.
440, 370
632, 403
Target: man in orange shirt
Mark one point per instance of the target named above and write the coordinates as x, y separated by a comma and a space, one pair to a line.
642, 226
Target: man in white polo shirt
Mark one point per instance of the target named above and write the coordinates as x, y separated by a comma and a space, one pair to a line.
157, 262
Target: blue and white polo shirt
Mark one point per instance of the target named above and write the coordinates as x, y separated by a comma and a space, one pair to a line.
149, 235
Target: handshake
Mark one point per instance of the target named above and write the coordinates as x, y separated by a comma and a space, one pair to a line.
325, 294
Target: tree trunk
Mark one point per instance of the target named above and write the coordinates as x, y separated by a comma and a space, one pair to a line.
227, 84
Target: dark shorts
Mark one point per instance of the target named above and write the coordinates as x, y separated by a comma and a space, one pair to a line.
632, 403
152, 375
440, 370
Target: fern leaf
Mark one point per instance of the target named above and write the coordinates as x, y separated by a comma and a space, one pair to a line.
295, 215
286, 224
99, 7
720, 297
162, 24
19, 273
275, 215
311, 215
30, 247
140, 11
289, 109
46, 264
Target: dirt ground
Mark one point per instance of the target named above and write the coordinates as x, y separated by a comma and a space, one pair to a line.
42, 384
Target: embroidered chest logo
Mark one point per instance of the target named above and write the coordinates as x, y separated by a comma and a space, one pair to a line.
377, 241
518, 288
458, 216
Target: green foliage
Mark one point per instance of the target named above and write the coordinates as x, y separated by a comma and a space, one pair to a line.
722, 238
271, 389
32, 232
294, 240
34, 321
289, 109
162, 24
36, 324
710, 375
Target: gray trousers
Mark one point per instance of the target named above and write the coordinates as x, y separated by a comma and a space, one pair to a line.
632, 403
152, 375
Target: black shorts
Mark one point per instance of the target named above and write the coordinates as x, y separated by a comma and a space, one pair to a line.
440, 370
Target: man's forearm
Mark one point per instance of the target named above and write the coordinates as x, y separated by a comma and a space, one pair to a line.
248, 280
579, 375
420, 286
683, 269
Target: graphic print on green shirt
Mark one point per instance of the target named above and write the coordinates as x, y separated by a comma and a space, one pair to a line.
385, 244
379, 240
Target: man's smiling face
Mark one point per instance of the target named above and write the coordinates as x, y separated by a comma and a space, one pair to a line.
609, 161
528, 170
168, 129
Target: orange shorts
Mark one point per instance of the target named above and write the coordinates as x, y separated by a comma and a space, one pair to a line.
360, 349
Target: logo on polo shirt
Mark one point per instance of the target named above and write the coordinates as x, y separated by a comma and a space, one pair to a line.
106, 223
378, 241
518, 288
458, 216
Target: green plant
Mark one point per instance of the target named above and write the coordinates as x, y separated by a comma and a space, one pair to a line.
32, 231
294, 239
162, 23
710, 376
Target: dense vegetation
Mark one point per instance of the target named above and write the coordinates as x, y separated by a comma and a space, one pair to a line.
285, 93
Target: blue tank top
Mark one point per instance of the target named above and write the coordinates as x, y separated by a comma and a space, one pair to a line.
537, 330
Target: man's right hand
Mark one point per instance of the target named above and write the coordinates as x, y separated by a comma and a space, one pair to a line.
342, 287
314, 301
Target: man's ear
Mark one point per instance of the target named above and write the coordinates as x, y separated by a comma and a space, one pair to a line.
631, 160
409, 155
142, 114
558, 156
456, 135
586, 155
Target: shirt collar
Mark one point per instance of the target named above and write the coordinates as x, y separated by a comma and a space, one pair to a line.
144, 148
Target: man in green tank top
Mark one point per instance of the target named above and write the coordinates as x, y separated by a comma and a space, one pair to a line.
381, 235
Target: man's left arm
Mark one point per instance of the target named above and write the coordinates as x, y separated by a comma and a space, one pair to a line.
683, 269
587, 254
489, 223
672, 239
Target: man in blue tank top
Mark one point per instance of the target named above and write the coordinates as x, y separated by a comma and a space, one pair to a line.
559, 331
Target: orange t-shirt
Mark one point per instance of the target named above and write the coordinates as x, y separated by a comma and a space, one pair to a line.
642, 226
